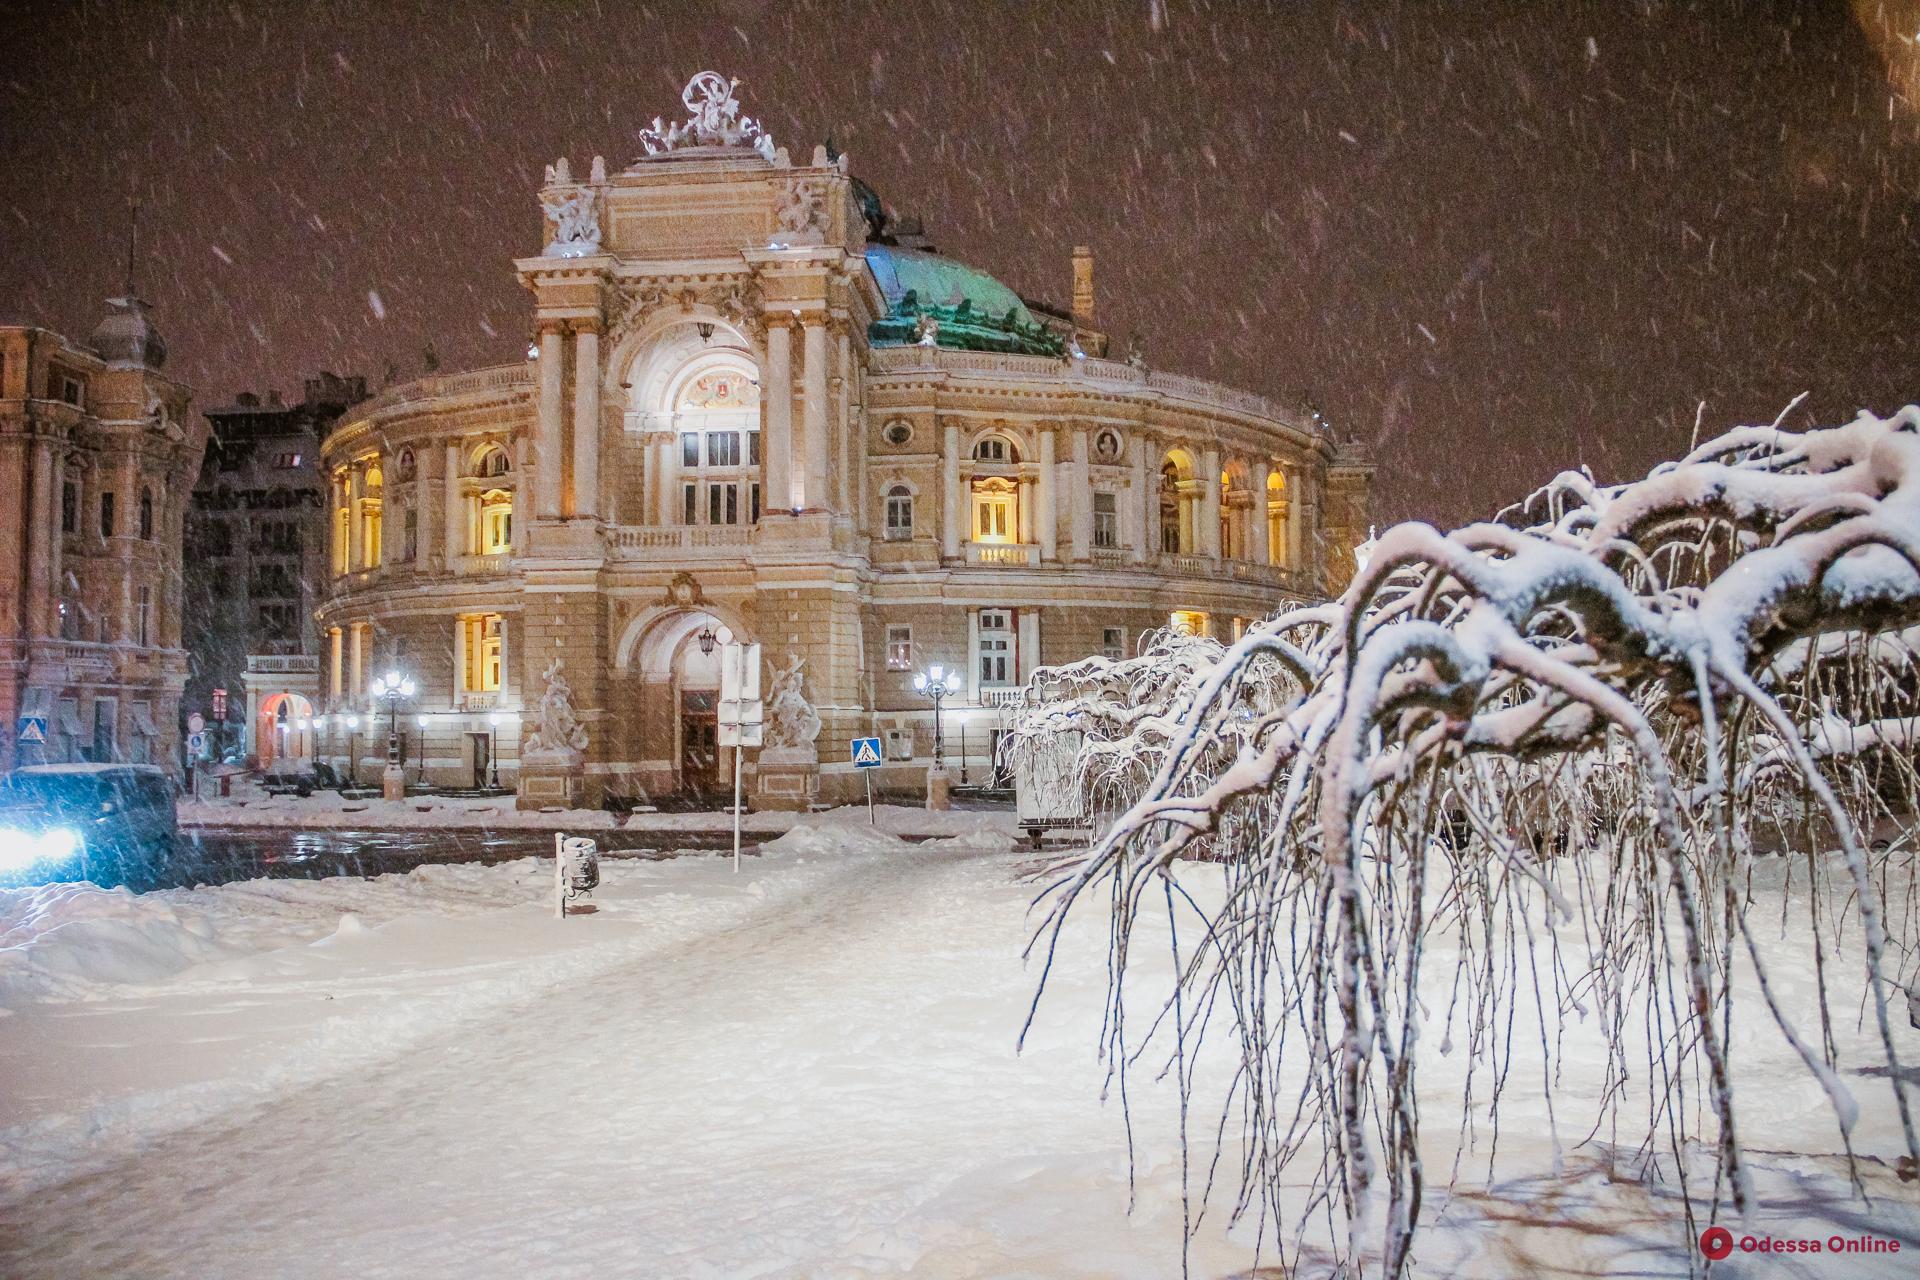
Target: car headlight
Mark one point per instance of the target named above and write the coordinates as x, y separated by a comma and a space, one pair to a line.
20, 849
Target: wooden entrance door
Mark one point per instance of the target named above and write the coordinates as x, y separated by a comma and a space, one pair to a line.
699, 741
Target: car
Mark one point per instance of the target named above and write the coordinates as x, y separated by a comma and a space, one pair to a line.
112, 824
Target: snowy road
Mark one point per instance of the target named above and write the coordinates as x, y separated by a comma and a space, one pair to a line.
803, 1070
815, 1077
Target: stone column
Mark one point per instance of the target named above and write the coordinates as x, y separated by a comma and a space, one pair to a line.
453, 511
586, 420
1143, 508
1313, 554
1080, 513
1209, 514
1262, 552
1295, 518
357, 670
334, 655
356, 529
1043, 515
1025, 500
661, 473
548, 446
522, 497
814, 410
776, 415
844, 464
950, 514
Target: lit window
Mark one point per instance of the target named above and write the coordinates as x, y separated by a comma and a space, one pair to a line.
287, 461
993, 512
482, 636
496, 522
899, 647
899, 513
1190, 622
1106, 521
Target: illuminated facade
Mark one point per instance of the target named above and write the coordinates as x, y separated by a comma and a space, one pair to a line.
752, 404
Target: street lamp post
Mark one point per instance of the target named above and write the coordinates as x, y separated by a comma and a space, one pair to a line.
493, 751
939, 684
393, 687
422, 751
353, 752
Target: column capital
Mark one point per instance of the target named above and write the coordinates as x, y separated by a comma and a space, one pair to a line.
586, 324
551, 326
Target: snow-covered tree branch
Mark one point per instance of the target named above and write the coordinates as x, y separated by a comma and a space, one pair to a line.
1596, 713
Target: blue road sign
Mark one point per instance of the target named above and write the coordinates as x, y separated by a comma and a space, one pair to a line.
866, 753
32, 730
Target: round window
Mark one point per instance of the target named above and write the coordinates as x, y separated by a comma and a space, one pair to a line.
898, 432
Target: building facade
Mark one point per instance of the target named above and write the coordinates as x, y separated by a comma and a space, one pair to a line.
754, 407
97, 453
257, 534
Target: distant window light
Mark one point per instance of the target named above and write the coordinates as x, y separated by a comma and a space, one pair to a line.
899, 647
288, 461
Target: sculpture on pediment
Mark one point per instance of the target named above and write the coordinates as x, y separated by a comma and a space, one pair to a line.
557, 732
791, 719
715, 120
575, 214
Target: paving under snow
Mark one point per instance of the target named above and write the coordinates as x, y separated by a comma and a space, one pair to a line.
805, 1069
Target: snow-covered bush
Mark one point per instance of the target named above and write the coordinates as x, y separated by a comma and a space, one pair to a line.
1602, 707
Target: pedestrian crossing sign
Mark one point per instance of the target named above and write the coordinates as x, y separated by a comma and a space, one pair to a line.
866, 753
32, 731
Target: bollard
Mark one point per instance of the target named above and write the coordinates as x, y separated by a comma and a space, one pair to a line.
576, 869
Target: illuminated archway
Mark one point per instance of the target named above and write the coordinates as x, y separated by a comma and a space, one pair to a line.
283, 729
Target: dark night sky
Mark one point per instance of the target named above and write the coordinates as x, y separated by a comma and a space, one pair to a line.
1495, 239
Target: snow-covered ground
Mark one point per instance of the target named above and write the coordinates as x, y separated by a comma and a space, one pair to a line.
806, 1069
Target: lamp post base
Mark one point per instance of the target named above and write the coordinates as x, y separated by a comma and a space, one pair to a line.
939, 787
393, 782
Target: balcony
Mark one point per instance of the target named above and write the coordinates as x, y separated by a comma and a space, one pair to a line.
695, 541
1002, 698
472, 701
1001, 554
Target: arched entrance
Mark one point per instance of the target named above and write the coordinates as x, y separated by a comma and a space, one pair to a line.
283, 729
676, 653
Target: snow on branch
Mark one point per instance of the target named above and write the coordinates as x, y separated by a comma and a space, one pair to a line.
1609, 703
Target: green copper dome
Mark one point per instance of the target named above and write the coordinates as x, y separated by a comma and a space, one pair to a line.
967, 308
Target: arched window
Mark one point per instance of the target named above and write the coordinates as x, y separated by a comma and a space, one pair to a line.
996, 449
899, 513
494, 462
1276, 515
496, 522
146, 515
403, 466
